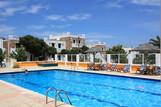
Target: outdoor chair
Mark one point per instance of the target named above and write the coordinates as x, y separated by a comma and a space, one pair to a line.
119, 68
97, 67
150, 70
142, 69
90, 66
103, 66
157, 70
126, 68
113, 67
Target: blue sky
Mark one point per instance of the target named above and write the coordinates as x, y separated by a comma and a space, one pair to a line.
127, 22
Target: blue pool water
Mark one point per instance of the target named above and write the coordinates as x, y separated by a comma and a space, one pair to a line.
92, 90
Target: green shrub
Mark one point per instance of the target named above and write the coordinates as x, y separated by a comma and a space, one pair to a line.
16, 65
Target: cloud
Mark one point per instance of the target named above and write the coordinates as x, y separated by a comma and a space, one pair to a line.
61, 26
9, 8
56, 26
79, 16
73, 17
37, 27
56, 17
35, 8
6, 29
113, 4
110, 3
12, 10
146, 2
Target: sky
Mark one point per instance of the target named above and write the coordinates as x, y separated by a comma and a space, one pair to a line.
125, 22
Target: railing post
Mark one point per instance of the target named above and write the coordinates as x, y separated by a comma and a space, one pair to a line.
56, 57
66, 59
77, 59
91, 58
118, 58
157, 59
130, 59
108, 58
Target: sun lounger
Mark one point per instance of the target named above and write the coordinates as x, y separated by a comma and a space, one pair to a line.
157, 70
142, 69
126, 68
103, 66
90, 66
113, 67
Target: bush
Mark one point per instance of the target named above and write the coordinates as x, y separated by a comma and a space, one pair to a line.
16, 65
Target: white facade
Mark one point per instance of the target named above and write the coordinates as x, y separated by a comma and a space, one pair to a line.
1, 43
68, 39
59, 45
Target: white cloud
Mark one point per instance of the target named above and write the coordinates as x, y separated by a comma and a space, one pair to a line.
12, 10
113, 4
79, 16
37, 27
35, 8
70, 17
147, 2
6, 29
56, 17
61, 26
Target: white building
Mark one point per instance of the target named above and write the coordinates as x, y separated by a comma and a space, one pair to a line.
1, 44
59, 45
65, 41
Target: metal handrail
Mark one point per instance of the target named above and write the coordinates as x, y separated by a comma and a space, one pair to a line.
47, 92
58, 94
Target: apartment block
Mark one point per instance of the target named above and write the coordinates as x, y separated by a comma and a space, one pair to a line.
9, 45
59, 45
66, 41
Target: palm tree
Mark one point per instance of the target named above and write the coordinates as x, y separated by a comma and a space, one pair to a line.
155, 42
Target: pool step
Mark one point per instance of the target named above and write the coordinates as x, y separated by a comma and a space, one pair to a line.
57, 95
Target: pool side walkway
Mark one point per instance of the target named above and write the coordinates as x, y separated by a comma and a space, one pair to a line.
14, 96
153, 77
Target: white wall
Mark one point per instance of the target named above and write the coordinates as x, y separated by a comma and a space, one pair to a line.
63, 44
1, 43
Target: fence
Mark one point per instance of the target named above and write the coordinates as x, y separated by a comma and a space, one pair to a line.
151, 58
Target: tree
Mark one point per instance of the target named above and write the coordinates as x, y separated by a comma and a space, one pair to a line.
20, 54
155, 41
64, 51
35, 46
83, 49
74, 51
51, 51
118, 49
2, 55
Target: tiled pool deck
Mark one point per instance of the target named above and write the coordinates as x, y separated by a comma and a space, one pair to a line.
14, 96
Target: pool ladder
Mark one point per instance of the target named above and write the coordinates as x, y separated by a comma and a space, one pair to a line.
57, 95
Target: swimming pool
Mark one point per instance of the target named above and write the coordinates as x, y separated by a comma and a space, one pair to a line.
92, 90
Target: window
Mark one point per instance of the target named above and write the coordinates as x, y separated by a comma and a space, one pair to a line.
53, 44
59, 45
79, 41
73, 41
